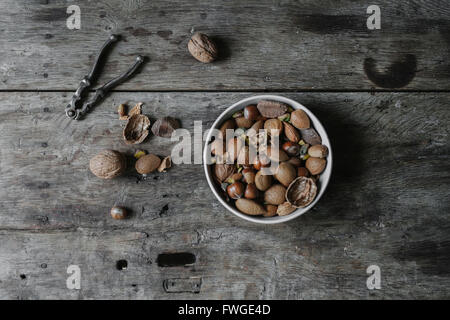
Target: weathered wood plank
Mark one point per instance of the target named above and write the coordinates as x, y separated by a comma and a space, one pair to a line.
387, 205
265, 44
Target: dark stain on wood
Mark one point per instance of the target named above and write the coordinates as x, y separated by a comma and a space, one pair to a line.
165, 34
138, 32
432, 257
50, 14
326, 24
176, 259
398, 75
179, 285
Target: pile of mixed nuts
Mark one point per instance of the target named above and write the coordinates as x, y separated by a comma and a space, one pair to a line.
268, 159
109, 164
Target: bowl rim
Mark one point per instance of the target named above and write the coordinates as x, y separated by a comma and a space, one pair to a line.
317, 125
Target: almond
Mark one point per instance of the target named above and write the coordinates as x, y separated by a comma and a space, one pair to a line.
291, 133
300, 119
275, 194
250, 207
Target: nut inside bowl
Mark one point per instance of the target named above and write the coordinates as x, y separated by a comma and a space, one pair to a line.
321, 182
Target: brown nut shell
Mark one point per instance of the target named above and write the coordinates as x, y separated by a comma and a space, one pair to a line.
263, 181
271, 210
291, 132
302, 172
234, 147
250, 207
300, 119
275, 195
136, 129
202, 48
285, 208
274, 127
223, 171
271, 109
251, 192
108, 164
296, 162
258, 125
248, 176
166, 163
242, 122
315, 165
229, 124
301, 192
285, 173
318, 151
147, 164
164, 127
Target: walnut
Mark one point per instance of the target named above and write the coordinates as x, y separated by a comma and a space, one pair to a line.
108, 164
136, 129
202, 48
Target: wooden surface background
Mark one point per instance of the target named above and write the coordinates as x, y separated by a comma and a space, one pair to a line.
383, 97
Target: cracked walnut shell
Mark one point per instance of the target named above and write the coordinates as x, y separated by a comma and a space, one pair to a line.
301, 192
136, 129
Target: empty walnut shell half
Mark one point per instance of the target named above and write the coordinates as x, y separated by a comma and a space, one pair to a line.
136, 129
108, 164
301, 192
164, 127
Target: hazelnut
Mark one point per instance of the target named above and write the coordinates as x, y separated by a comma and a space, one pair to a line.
202, 48
242, 122
275, 194
296, 162
302, 172
108, 164
315, 165
147, 164
234, 177
300, 119
318, 151
251, 192
251, 112
227, 125
118, 213
292, 149
235, 190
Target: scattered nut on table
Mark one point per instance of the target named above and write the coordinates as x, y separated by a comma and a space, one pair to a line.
118, 213
202, 48
108, 164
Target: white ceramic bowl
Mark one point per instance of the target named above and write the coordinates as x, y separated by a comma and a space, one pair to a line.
322, 182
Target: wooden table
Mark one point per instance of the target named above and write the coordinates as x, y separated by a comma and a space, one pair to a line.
383, 96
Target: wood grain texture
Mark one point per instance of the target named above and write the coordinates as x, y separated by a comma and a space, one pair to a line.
387, 204
265, 45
